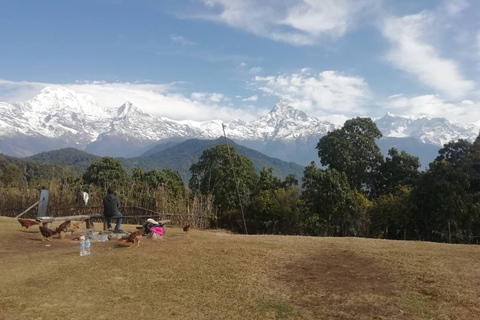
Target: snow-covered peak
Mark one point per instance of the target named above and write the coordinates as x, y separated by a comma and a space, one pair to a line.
476, 126
55, 99
284, 122
283, 110
239, 122
436, 131
128, 109
76, 119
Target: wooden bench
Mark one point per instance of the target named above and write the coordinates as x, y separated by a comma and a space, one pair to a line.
143, 218
47, 221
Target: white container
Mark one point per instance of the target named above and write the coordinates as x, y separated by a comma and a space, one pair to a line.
87, 246
82, 246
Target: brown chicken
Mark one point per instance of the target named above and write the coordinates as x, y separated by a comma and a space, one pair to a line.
63, 227
186, 228
47, 233
27, 223
134, 238
76, 225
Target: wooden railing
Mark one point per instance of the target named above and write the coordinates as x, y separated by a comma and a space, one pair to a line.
134, 215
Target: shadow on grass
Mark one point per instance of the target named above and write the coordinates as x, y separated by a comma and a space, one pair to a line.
35, 239
29, 231
120, 246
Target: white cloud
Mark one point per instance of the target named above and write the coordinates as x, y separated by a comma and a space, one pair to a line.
326, 93
412, 53
306, 71
303, 22
208, 97
157, 99
395, 96
465, 111
478, 45
338, 119
252, 98
454, 7
181, 40
255, 70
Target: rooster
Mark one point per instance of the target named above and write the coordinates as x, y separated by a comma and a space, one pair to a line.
134, 237
47, 233
63, 227
186, 228
27, 223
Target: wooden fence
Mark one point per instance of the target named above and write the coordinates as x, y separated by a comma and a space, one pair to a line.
136, 215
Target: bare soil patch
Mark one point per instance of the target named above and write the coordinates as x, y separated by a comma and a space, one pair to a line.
342, 285
342, 272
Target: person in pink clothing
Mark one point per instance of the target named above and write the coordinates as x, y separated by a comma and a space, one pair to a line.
158, 230
153, 229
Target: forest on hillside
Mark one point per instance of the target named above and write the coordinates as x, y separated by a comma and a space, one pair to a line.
356, 192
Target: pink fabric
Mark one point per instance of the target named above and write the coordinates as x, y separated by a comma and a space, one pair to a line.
157, 230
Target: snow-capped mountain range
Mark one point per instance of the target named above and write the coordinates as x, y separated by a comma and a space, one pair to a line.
58, 117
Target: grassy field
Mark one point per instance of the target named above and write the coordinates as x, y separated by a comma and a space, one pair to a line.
217, 275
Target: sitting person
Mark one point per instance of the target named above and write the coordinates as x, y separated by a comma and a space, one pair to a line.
110, 209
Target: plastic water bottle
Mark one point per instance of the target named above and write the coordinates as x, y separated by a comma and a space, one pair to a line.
87, 246
82, 247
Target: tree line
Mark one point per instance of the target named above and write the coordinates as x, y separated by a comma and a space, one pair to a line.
356, 191
353, 191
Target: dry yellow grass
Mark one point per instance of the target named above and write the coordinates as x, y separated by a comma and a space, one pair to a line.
217, 275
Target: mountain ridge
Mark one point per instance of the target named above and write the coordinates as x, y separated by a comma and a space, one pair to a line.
178, 156
59, 117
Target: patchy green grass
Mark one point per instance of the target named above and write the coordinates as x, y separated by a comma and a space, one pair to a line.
217, 275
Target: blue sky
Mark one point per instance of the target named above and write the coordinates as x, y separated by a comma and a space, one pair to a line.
206, 59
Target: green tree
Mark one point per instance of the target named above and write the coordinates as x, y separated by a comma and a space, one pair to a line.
330, 201
362, 222
105, 172
172, 182
276, 211
137, 174
473, 166
470, 222
290, 181
353, 151
212, 174
267, 181
391, 214
440, 199
152, 178
455, 152
399, 169
13, 176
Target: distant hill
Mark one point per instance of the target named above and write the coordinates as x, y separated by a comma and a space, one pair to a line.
75, 158
37, 170
181, 156
172, 155
158, 147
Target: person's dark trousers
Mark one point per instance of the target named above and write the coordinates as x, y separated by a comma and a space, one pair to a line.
119, 221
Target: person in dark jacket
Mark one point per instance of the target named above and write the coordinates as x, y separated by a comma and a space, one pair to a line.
110, 208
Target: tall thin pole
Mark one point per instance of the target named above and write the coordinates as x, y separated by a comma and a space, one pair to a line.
31, 207
235, 178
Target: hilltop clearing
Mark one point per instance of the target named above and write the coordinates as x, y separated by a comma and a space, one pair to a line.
218, 275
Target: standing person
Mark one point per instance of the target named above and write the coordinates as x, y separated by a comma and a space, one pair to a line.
110, 209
